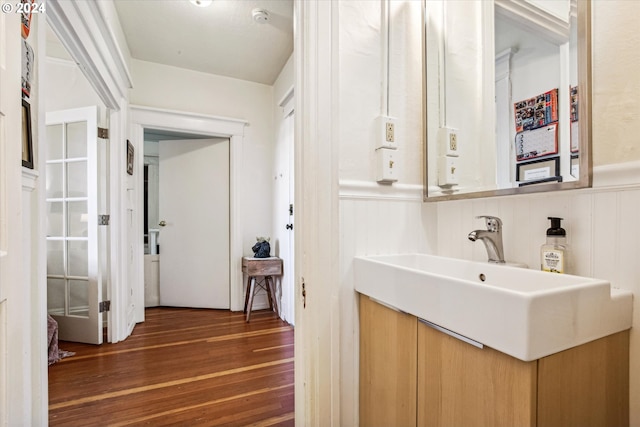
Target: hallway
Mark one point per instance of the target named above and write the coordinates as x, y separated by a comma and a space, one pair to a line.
181, 366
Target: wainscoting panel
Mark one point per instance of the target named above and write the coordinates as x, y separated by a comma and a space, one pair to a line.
370, 226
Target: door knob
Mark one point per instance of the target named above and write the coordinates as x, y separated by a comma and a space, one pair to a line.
162, 223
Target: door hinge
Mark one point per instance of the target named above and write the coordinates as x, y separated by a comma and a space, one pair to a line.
104, 306
291, 209
103, 219
103, 133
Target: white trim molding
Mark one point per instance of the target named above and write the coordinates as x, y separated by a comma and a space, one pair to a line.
146, 117
96, 52
202, 124
358, 189
29, 179
542, 22
617, 175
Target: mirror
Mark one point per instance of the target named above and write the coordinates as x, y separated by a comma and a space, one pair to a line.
507, 97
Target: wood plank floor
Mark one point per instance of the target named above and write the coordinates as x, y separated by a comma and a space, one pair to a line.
181, 367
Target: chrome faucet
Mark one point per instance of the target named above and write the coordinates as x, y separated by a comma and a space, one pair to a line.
491, 237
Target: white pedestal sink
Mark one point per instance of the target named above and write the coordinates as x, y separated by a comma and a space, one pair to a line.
527, 314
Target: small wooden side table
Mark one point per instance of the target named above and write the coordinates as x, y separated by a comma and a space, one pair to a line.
266, 268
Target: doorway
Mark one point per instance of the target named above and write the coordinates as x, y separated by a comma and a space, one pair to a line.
186, 220
76, 246
283, 205
179, 124
77, 187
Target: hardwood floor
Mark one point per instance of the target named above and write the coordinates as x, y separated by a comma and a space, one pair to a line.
181, 367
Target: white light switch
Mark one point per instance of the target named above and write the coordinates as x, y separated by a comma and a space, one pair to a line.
387, 166
447, 171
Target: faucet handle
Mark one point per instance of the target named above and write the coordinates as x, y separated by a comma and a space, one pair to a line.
493, 222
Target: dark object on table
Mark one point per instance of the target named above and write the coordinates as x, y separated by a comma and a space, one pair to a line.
262, 249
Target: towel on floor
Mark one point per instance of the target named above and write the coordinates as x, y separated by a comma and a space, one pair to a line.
54, 353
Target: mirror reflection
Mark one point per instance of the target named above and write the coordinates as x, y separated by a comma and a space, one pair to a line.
503, 97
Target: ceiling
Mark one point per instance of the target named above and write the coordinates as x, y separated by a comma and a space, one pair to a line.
221, 39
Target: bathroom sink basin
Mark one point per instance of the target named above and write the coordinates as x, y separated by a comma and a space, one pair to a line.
527, 314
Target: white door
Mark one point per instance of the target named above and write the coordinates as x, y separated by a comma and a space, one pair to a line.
74, 280
194, 223
283, 215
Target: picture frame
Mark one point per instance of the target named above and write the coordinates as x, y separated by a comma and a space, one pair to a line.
27, 139
130, 154
541, 181
537, 170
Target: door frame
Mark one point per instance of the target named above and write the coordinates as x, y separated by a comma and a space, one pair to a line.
199, 124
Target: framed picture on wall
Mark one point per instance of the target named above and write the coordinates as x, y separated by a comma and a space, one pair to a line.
129, 157
27, 140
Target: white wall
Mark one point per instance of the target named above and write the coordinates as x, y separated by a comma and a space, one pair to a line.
375, 218
66, 86
172, 88
616, 104
22, 330
361, 88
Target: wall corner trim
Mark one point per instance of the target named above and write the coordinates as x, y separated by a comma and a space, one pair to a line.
29, 179
358, 189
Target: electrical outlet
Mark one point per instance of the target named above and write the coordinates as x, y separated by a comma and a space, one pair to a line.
386, 132
448, 142
453, 141
389, 132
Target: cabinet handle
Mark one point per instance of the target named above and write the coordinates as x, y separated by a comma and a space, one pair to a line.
451, 333
390, 307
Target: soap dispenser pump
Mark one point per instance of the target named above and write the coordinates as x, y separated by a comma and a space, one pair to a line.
554, 256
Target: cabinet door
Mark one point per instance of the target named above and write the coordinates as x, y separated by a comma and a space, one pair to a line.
586, 385
388, 344
462, 385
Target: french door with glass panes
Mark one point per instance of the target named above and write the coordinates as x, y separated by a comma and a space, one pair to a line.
74, 281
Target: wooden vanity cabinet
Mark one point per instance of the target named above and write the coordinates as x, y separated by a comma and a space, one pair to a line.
457, 384
388, 349
462, 385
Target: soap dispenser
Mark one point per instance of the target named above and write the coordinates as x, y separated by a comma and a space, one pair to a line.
554, 255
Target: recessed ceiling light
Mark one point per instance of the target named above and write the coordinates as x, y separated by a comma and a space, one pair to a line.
201, 3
